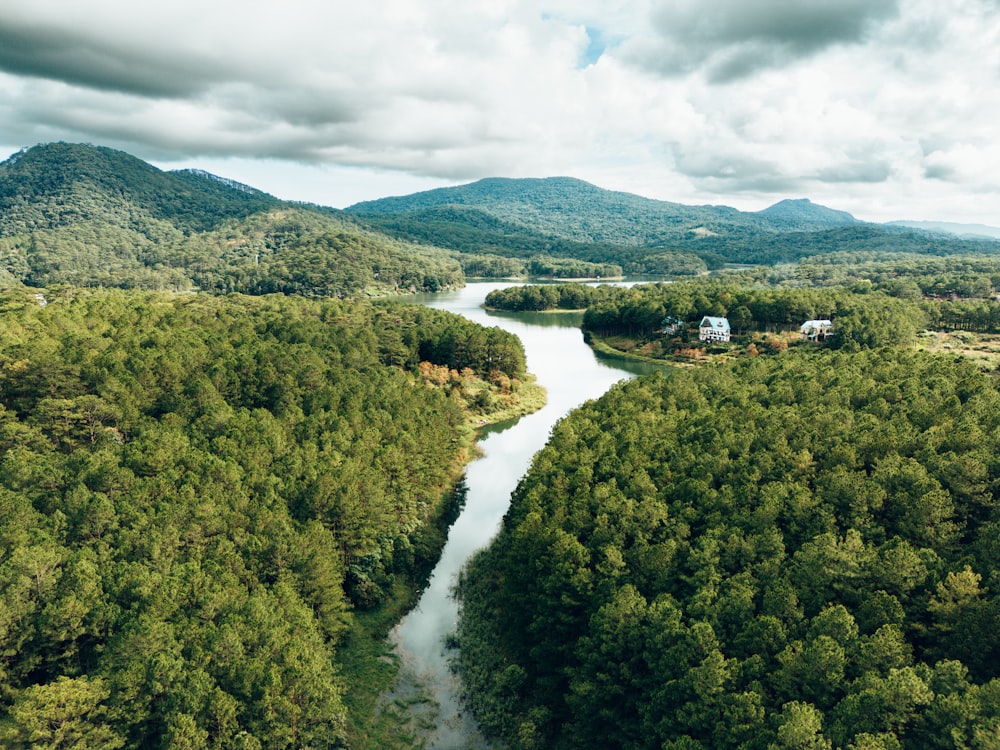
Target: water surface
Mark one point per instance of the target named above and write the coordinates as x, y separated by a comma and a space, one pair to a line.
571, 374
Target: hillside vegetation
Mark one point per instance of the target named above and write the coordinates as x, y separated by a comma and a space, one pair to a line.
197, 494
92, 216
789, 552
570, 218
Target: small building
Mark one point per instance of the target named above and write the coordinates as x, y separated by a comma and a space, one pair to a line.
713, 329
816, 330
672, 326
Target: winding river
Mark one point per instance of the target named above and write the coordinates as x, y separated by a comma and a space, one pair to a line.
572, 374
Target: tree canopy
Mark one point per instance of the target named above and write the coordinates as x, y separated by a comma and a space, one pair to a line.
198, 492
795, 551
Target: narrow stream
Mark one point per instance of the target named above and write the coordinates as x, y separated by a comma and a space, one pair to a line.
572, 374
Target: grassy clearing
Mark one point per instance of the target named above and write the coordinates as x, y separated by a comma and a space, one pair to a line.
370, 667
525, 398
499, 399
981, 348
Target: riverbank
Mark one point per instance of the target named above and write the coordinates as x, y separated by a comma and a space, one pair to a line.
423, 708
607, 351
386, 709
546, 279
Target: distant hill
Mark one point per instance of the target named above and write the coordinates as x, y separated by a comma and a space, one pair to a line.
800, 214
567, 217
89, 216
94, 216
948, 227
56, 184
562, 207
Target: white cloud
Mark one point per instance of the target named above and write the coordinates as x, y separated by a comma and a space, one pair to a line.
883, 107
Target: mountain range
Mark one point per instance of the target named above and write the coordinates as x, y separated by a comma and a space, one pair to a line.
89, 215
971, 231
570, 217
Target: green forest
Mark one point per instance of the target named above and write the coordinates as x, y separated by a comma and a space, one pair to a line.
95, 217
783, 552
875, 299
229, 460
570, 218
199, 495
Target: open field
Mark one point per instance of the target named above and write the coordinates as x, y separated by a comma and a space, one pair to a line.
982, 348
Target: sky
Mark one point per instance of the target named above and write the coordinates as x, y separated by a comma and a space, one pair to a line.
888, 109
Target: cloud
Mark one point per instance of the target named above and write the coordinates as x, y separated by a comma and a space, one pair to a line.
732, 39
305, 81
720, 101
863, 171
78, 58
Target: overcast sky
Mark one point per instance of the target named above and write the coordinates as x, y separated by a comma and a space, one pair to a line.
889, 109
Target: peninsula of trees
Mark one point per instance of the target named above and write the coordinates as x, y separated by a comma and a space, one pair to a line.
196, 495
786, 551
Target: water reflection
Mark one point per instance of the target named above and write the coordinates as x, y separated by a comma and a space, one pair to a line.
563, 363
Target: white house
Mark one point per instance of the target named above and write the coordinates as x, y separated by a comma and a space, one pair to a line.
713, 329
672, 325
816, 330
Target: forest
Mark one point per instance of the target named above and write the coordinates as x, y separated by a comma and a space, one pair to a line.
782, 552
876, 299
213, 504
571, 218
96, 217
198, 495
537, 297
864, 319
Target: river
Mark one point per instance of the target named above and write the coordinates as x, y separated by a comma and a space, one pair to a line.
571, 374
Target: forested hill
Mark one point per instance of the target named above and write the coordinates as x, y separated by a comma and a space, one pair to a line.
578, 210
89, 216
570, 218
800, 214
57, 184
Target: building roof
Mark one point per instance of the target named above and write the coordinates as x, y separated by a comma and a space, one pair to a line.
721, 324
814, 324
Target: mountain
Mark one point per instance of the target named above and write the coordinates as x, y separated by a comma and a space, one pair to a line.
89, 216
577, 210
566, 217
560, 207
802, 213
970, 231
56, 184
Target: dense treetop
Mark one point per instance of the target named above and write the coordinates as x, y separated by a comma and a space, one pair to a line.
791, 552
195, 494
